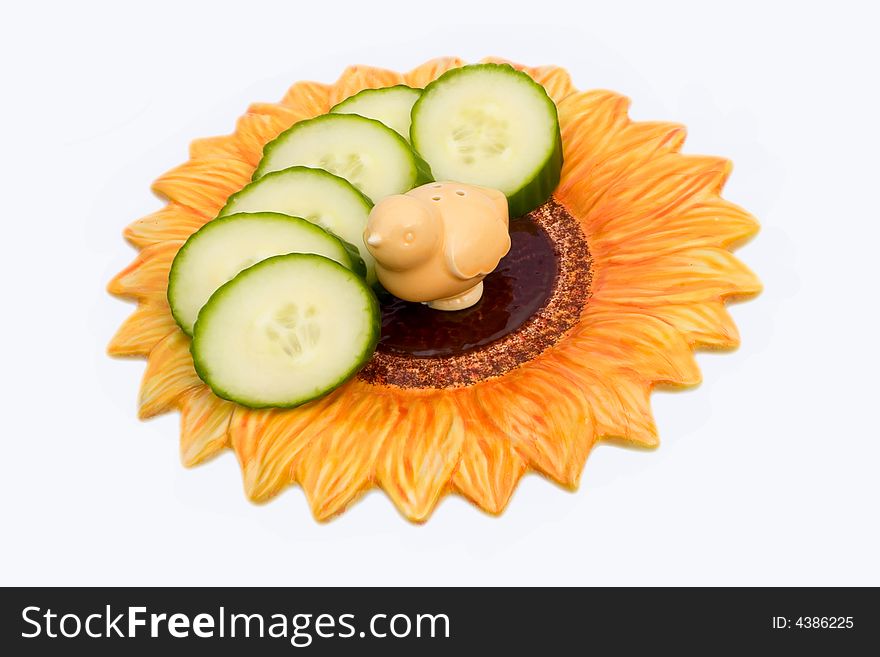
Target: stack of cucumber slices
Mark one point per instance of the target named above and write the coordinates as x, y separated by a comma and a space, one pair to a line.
277, 291
491, 125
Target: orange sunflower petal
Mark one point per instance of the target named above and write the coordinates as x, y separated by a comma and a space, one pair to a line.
253, 131
268, 441
146, 277
622, 407
682, 277
307, 99
204, 184
265, 121
204, 425
619, 398
561, 454
358, 78
636, 340
549, 426
489, 468
661, 187
593, 164
554, 79
601, 145
706, 323
713, 222
143, 329
223, 146
339, 464
489, 471
420, 454
281, 115
169, 374
422, 75
172, 223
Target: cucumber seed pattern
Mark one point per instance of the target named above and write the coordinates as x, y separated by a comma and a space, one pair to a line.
480, 133
296, 336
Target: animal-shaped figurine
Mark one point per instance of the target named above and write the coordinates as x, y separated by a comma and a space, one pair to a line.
436, 243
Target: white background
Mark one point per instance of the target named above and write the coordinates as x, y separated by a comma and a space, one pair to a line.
767, 473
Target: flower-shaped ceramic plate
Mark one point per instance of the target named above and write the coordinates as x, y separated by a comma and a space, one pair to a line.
636, 241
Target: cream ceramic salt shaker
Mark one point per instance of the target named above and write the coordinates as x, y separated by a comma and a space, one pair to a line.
436, 243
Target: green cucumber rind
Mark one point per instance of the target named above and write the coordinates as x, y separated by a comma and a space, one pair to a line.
355, 262
538, 187
423, 171
351, 99
368, 204
358, 266
363, 358
420, 167
349, 105
309, 171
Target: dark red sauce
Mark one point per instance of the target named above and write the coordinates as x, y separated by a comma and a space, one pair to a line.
512, 293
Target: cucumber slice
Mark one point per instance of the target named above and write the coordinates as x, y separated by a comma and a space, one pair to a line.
316, 195
368, 154
223, 247
390, 105
285, 331
491, 125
